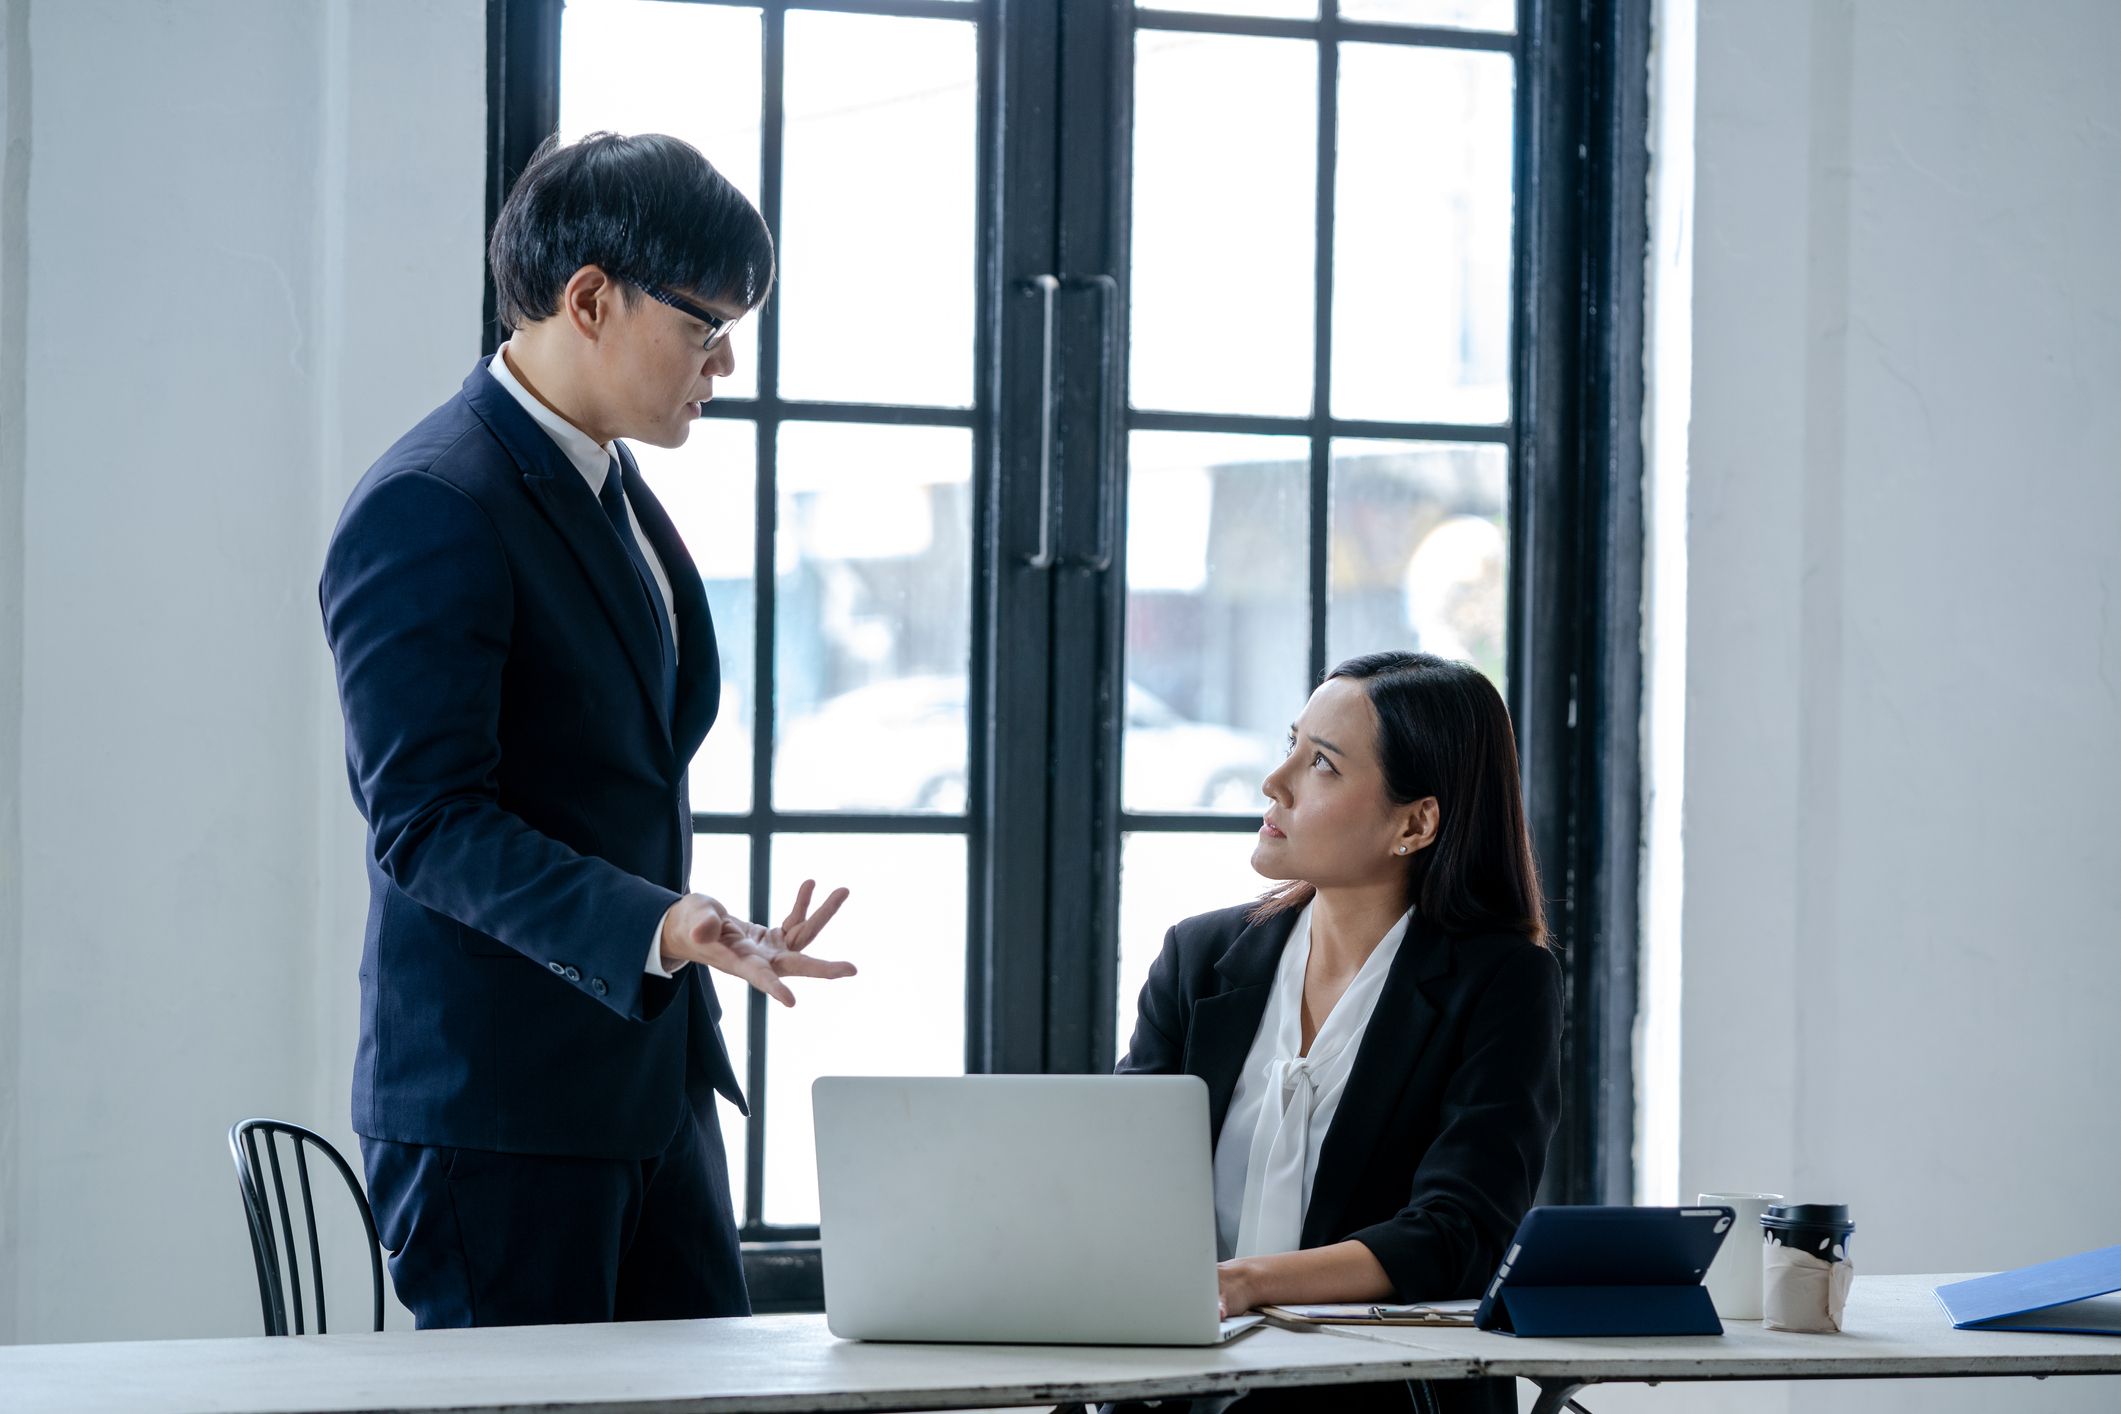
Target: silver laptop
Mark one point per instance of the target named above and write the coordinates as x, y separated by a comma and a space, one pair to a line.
1034, 1209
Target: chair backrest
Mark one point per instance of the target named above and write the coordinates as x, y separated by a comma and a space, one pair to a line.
266, 1208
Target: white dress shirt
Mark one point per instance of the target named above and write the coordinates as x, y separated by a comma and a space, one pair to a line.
1266, 1157
593, 460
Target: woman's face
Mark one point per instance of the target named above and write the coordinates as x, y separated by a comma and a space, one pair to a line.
1329, 819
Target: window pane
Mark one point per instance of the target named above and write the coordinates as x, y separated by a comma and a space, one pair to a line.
1166, 877
1420, 551
873, 617
1225, 157
1421, 306
1217, 615
635, 66
904, 927
721, 869
1268, 9
710, 486
878, 210
1449, 14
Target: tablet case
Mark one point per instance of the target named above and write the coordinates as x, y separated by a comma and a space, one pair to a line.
2068, 1296
1594, 1271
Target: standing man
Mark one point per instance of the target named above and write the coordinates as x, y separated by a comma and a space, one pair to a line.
526, 665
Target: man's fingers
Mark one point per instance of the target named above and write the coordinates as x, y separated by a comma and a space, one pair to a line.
761, 956
795, 964
801, 936
761, 975
755, 968
795, 917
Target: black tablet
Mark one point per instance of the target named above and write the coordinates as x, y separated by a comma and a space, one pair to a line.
1593, 1268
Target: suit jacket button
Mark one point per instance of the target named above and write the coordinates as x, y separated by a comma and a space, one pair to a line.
596, 985
573, 975
559, 969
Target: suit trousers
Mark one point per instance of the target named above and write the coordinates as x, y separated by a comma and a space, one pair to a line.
478, 1238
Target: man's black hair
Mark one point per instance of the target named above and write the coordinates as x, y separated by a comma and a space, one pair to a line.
645, 210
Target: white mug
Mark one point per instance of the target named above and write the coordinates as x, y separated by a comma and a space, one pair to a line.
1733, 1279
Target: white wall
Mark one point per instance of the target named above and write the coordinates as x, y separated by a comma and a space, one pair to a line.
1902, 920
14, 230
253, 258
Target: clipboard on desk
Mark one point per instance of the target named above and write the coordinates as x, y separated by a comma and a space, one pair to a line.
1594, 1271
2068, 1296
1363, 1313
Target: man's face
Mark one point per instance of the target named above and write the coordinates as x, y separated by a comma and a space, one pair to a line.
659, 369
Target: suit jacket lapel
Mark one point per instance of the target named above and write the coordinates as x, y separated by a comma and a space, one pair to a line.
1391, 1046
1224, 1023
699, 657
559, 491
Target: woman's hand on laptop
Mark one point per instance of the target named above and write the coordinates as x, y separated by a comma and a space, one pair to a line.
1234, 1283
1345, 1271
699, 929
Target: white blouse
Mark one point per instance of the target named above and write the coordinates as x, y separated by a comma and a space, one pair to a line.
1282, 1109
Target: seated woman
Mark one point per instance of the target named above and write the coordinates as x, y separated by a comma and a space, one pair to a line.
1381, 1035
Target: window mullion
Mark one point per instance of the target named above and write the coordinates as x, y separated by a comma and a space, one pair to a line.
772, 59
1322, 339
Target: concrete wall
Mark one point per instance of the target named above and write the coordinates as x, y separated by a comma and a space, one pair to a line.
1903, 650
253, 237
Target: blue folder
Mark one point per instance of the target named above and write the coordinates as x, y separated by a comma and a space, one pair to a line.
1593, 1271
2068, 1296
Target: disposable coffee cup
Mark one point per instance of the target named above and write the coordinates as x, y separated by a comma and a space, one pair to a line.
1805, 1271
1734, 1277
1822, 1229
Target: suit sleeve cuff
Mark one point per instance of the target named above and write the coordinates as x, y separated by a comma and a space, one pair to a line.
654, 966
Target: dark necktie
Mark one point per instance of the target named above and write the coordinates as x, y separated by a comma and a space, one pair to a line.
613, 499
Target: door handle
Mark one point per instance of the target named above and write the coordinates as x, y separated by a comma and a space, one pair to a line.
1111, 454
1045, 287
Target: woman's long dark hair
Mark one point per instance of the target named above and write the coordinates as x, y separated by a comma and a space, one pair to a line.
1442, 730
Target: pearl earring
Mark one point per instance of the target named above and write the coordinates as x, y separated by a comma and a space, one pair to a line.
1402, 849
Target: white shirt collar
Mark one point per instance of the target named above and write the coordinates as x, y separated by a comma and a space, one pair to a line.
591, 458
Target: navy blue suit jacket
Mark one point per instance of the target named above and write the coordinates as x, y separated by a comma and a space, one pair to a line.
528, 821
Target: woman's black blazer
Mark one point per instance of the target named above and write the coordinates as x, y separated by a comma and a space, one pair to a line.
1439, 1139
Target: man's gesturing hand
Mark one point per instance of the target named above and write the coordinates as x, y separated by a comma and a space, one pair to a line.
698, 929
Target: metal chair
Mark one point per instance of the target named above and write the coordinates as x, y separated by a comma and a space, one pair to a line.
260, 1210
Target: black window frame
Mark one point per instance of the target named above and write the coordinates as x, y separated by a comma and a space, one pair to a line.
1039, 998
1576, 531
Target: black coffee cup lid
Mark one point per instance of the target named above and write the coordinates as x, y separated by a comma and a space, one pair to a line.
1807, 1215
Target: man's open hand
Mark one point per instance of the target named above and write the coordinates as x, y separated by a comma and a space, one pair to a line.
699, 929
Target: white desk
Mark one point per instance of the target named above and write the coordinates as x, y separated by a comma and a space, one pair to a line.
778, 1363
1893, 1328
766, 1363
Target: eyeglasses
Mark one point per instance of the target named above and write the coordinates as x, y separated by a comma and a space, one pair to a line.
717, 327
